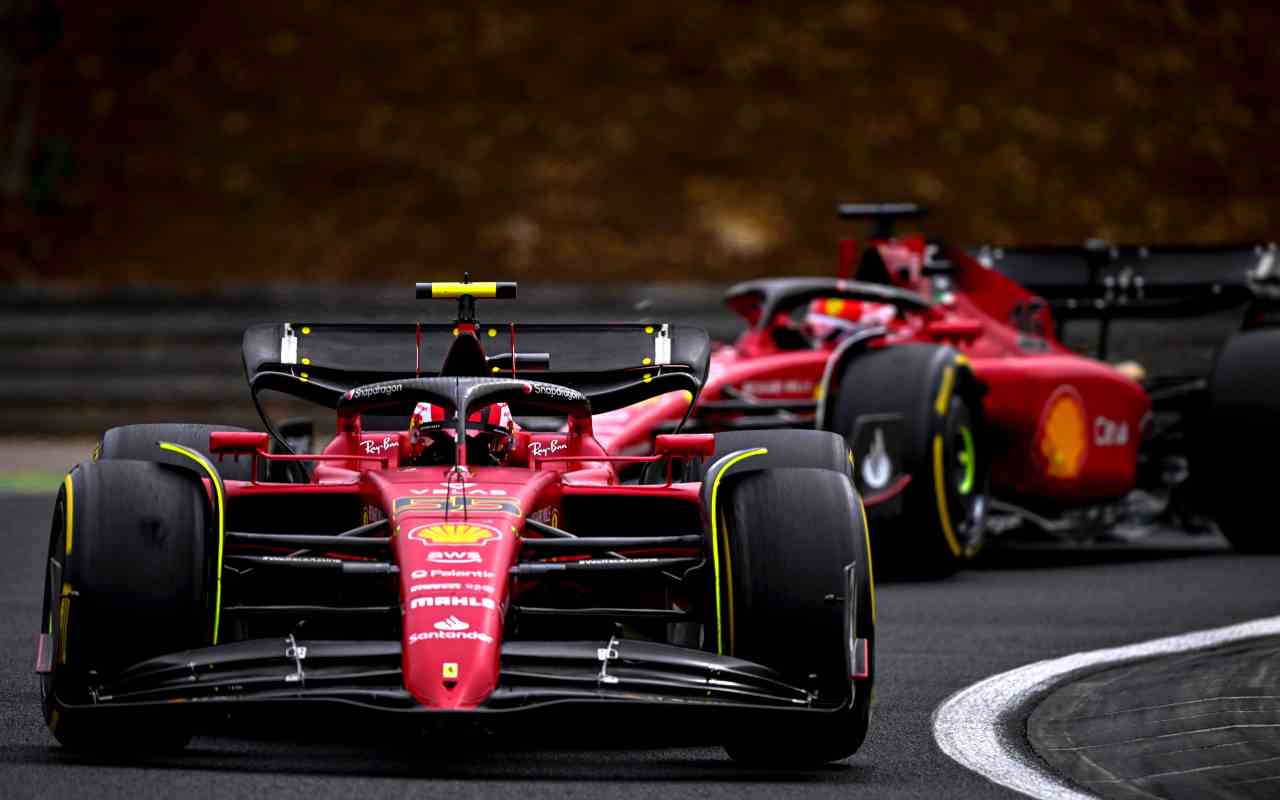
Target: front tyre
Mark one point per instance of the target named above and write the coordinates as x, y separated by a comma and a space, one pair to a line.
128, 577
791, 544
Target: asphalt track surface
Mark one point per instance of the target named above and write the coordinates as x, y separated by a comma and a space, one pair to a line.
935, 638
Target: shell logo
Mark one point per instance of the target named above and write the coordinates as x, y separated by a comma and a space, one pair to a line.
1063, 437
454, 533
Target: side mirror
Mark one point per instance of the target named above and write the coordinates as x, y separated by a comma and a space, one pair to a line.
234, 442
702, 445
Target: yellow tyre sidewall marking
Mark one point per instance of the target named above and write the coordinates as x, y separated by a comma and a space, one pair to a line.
944, 392
64, 599
940, 486
939, 479
70, 509
217, 489
871, 579
715, 539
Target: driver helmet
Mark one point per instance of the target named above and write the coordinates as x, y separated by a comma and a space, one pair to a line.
491, 435
834, 317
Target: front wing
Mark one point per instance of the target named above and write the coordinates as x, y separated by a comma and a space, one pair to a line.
628, 677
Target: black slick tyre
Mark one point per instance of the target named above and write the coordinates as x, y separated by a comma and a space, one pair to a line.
129, 577
1242, 416
928, 391
791, 545
138, 442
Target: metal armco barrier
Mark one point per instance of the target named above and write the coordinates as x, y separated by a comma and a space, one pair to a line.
77, 361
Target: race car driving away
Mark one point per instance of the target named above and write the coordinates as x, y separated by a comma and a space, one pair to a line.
946, 372
436, 563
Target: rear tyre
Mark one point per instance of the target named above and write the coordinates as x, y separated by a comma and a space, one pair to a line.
1242, 416
791, 545
128, 578
138, 442
943, 509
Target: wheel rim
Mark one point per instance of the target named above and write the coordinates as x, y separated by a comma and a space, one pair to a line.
965, 487
966, 460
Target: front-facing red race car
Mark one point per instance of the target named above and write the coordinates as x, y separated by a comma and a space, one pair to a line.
946, 372
435, 563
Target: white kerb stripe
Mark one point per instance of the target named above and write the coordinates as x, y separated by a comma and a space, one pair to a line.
970, 725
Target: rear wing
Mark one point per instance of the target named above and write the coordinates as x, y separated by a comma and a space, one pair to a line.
1106, 281
614, 365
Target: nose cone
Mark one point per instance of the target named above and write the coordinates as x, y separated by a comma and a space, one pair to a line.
451, 655
453, 582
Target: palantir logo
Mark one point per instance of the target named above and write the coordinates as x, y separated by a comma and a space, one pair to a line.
451, 624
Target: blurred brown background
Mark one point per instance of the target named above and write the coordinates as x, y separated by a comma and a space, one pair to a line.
149, 142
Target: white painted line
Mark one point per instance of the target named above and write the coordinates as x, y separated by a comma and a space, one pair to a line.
971, 725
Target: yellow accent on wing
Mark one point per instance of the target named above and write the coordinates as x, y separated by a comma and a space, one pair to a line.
715, 550
940, 487
944, 393
217, 489
448, 289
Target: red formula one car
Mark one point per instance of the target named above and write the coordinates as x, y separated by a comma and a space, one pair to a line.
946, 372
437, 563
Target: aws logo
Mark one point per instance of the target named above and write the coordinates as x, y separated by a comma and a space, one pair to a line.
451, 533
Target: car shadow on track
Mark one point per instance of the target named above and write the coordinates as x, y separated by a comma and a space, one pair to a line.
1051, 555
433, 758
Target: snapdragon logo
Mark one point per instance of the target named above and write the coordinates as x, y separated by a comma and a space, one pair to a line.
552, 390
376, 389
